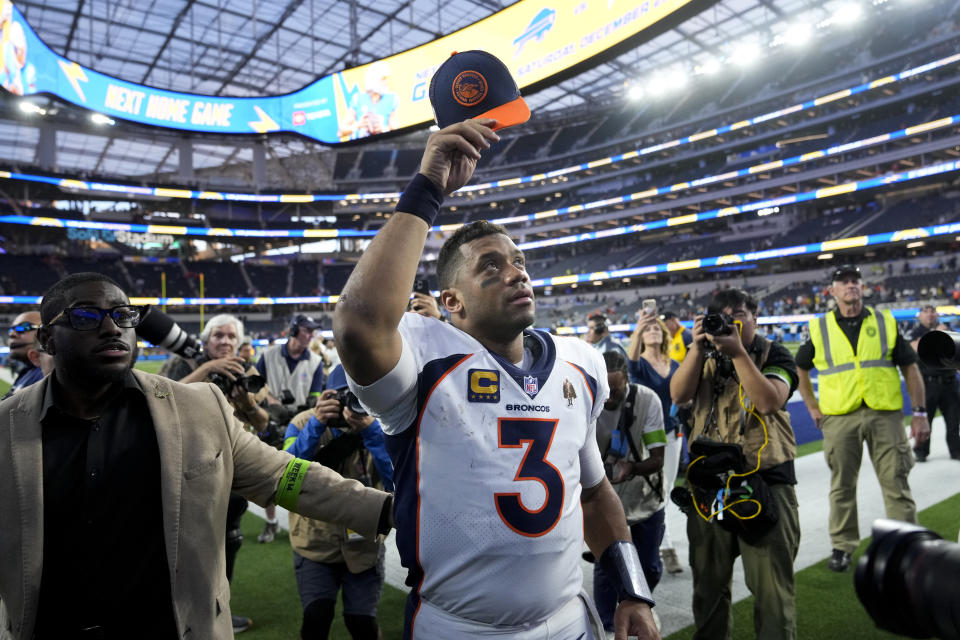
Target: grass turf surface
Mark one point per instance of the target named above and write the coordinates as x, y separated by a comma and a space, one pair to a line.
264, 588
827, 606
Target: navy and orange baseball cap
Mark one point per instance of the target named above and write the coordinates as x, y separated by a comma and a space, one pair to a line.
476, 84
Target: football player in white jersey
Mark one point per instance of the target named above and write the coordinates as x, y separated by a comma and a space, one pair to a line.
490, 426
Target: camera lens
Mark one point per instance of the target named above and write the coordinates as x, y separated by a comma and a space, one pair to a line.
223, 383
352, 403
716, 324
253, 384
907, 581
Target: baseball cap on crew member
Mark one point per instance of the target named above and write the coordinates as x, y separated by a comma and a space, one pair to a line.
845, 270
306, 322
476, 84
668, 315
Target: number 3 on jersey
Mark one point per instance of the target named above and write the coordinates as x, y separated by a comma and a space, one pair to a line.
537, 434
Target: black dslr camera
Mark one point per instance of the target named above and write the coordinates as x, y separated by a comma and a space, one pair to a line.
252, 383
718, 324
347, 399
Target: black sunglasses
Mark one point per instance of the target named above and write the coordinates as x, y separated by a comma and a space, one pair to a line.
90, 318
23, 327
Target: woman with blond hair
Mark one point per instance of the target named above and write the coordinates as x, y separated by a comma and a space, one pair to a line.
651, 366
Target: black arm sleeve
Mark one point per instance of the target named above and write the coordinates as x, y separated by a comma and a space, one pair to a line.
805, 355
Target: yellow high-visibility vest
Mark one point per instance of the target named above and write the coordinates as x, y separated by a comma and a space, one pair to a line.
678, 350
846, 379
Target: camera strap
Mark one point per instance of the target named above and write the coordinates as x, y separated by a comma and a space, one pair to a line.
626, 422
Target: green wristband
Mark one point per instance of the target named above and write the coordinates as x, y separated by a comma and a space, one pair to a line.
288, 494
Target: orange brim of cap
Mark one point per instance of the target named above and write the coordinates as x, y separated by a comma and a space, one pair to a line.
514, 112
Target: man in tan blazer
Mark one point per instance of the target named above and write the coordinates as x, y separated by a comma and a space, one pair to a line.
114, 486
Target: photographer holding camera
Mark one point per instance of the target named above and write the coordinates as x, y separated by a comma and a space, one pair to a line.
293, 366
339, 434
598, 335
742, 473
631, 438
219, 363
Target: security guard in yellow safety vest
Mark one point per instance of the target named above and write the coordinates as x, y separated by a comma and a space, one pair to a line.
856, 351
679, 338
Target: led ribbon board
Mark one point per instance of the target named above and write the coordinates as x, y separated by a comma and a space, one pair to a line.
818, 194
535, 39
841, 244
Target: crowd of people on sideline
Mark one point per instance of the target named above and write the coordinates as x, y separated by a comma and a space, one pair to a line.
501, 454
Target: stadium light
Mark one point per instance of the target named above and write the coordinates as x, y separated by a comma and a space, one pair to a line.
99, 118
636, 92
31, 107
677, 77
847, 13
710, 67
745, 54
797, 35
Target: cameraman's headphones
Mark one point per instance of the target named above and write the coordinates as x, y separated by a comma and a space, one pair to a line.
295, 327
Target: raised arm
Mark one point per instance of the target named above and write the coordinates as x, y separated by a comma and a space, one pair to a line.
686, 379
376, 294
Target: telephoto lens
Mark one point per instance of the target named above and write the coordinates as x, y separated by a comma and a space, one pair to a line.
907, 581
940, 349
158, 328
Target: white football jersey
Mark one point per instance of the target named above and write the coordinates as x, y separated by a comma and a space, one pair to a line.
489, 459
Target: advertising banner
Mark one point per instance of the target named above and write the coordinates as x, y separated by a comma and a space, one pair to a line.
537, 40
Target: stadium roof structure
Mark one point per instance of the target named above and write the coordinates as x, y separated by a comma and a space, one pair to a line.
242, 48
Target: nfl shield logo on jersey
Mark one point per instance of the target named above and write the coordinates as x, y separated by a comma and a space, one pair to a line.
530, 385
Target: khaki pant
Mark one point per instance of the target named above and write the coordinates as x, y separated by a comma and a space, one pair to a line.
767, 568
886, 438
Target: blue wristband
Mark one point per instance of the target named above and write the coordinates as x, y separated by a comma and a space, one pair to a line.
421, 198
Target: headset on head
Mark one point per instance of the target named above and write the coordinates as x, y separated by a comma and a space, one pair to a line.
295, 327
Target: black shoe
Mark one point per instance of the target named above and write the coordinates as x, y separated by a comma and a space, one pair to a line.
955, 456
241, 623
920, 456
839, 561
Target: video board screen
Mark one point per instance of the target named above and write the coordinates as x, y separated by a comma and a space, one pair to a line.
537, 40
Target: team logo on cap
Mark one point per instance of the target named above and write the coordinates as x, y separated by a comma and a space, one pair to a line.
469, 88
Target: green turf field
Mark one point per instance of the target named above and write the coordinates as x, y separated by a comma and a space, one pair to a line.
150, 366
264, 588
